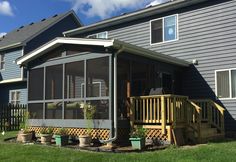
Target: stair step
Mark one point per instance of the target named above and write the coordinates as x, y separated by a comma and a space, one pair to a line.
208, 132
205, 125
215, 137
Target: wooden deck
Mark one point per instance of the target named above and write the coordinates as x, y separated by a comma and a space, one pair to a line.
200, 120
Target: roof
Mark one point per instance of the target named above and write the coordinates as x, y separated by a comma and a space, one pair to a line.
108, 43
153, 10
20, 36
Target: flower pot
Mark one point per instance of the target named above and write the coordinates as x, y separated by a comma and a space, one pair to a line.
85, 140
137, 143
26, 137
61, 140
46, 139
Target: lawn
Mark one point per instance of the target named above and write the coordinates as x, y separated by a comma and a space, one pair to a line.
214, 152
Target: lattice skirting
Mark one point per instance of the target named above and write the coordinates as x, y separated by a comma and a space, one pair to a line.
103, 134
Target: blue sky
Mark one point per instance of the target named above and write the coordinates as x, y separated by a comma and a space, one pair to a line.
15, 13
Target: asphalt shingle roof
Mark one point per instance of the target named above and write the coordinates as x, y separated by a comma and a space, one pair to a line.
24, 33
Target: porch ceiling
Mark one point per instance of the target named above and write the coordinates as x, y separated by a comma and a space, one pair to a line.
106, 43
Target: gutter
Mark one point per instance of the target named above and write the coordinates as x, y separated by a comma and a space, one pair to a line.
114, 97
19, 44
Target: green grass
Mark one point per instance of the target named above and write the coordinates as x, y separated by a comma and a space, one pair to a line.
214, 152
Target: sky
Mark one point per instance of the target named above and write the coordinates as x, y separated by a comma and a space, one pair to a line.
16, 13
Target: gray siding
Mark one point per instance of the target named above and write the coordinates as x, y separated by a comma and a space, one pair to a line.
12, 70
207, 32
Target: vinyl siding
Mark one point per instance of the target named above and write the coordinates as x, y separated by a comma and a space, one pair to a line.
12, 70
207, 32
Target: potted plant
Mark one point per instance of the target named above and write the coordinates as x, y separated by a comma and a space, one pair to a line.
89, 111
25, 135
137, 138
46, 135
61, 137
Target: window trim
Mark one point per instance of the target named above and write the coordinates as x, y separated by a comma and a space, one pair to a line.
163, 26
230, 84
10, 100
97, 35
2, 61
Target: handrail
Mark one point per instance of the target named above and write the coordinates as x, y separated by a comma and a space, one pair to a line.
213, 113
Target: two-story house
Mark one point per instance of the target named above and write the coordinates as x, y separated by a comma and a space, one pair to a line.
141, 68
13, 80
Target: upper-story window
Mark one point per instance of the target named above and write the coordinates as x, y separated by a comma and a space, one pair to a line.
164, 29
226, 83
102, 35
2, 61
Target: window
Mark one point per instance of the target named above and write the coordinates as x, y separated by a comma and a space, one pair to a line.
2, 61
226, 83
164, 29
15, 97
102, 35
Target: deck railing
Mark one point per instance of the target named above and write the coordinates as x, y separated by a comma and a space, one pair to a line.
164, 110
212, 113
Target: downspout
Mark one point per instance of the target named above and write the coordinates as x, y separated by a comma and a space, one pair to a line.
114, 97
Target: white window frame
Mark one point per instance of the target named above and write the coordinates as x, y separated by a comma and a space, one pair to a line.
230, 83
2, 61
100, 89
163, 27
14, 100
106, 32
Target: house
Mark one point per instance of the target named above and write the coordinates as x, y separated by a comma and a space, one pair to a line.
13, 80
165, 67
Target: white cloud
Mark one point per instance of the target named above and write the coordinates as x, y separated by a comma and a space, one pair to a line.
2, 34
5, 8
156, 2
106, 8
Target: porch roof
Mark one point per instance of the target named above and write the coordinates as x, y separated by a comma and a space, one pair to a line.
106, 43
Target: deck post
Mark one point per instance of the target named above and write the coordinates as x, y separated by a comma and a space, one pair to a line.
132, 112
163, 115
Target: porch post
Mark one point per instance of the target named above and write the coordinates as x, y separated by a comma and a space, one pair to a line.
163, 115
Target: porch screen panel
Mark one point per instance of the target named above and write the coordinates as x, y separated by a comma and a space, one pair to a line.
54, 76
102, 108
35, 111
73, 110
74, 79
223, 84
53, 110
98, 77
233, 81
36, 79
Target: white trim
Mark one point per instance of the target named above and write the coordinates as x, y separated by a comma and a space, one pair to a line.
96, 34
22, 68
163, 30
80, 41
12, 80
10, 96
230, 84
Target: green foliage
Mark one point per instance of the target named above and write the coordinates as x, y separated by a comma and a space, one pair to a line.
61, 132
89, 111
25, 123
214, 152
138, 132
48, 130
